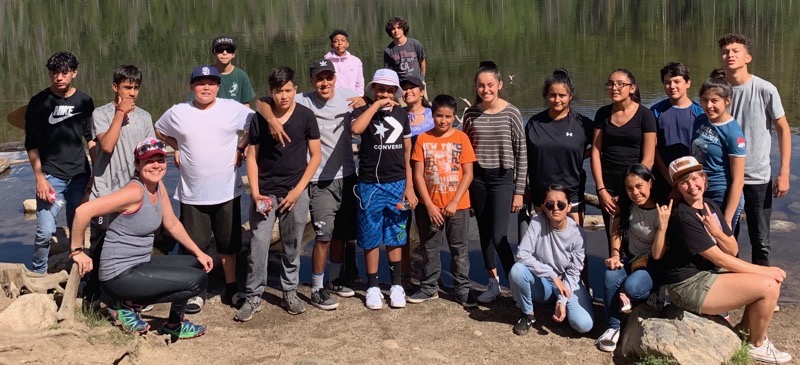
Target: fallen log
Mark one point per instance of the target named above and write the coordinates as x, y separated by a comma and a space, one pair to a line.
15, 279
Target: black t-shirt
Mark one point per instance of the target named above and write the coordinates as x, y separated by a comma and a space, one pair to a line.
281, 168
382, 153
55, 125
622, 145
687, 237
555, 153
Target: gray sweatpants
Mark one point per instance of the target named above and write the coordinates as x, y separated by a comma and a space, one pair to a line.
291, 225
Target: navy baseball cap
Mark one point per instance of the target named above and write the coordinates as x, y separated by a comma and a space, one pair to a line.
205, 71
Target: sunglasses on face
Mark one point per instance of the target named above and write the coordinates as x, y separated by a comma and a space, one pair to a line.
224, 49
553, 205
157, 145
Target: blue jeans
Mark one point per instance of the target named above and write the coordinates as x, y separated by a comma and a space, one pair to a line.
636, 285
526, 288
72, 191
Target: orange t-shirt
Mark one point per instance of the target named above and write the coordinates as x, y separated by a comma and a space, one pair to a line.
442, 158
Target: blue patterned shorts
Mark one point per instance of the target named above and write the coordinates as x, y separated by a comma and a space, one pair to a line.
379, 220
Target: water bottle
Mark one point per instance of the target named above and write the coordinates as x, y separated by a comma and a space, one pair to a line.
56, 199
264, 206
404, 205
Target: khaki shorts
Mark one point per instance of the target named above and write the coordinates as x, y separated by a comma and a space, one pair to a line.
691, 293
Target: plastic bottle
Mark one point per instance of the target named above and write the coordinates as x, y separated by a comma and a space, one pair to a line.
404, 205
57, 200
264, 206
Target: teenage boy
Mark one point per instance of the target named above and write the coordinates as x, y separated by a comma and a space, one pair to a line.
349, 70
675, 117
284, 172
117, 128
756, 105
331, 189
442, 163
205, 131
55, 121
404, 55
234, 84
385, 190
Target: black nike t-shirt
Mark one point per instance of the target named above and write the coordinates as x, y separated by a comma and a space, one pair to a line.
280, 168
55, 125
382, 153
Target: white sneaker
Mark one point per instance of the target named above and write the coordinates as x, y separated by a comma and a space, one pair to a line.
768, 353
146, 308
374, 298
194, 305
777, 308
397, 296
608, 340
491, 293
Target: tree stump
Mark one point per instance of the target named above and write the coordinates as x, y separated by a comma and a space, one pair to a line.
15, 278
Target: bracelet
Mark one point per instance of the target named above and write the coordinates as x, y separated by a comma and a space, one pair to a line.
118, 110
75, 251
601, 189
240, 149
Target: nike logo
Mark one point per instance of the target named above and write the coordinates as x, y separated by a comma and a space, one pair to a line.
61, 113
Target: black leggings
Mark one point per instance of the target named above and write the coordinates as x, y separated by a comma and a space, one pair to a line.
164, 279
491, 194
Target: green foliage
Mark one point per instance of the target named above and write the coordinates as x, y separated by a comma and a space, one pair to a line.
655, 360
741, 357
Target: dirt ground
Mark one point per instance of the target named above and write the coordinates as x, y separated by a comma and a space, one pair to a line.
435, 332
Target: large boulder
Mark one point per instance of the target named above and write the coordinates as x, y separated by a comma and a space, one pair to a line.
29, 313
678, 335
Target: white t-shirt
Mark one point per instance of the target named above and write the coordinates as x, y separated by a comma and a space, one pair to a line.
207, 140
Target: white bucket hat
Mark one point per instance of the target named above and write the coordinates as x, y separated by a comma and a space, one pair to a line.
384, 76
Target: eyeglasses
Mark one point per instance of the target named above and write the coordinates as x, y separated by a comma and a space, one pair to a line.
617, 84
219, 50
553, 205
150, 146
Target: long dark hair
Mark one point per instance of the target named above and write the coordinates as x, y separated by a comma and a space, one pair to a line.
625, 203
486, 67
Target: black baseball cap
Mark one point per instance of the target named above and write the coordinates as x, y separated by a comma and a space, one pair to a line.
320, 65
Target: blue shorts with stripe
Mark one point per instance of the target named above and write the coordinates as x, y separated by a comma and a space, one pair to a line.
379, 220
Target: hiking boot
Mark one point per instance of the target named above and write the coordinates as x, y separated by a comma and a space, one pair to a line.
322, 300
194, 305
523, 325
421, 296
607, 342
397, 296
236, 300
249, 308
374, 299
292, 303
467, 300
127, 317
768, 353
491, 293
337, 287
183, 330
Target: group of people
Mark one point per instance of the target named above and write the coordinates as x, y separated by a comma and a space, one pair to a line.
671, 181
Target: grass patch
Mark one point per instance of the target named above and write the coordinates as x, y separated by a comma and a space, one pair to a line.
93, 318
655, 360
741, 356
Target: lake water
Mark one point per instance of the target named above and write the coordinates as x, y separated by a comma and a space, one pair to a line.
527, 39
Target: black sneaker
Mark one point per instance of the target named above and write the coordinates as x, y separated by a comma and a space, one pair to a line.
322, 300
421, 296
523, 324
467, 300
338, 287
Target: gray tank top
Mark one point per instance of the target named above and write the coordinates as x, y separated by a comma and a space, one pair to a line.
129, 239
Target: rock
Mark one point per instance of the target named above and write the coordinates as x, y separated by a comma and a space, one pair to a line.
432, 355
390, 344
794, 207
678, 335
591, 199
29, 313
477, 333
4, 164
593, 223
781, 226
29, 206
12, 146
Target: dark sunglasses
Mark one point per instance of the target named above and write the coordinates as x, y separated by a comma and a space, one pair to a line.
553, 205
224, 49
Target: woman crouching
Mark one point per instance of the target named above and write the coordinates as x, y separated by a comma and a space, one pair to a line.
549, 262
127, 272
